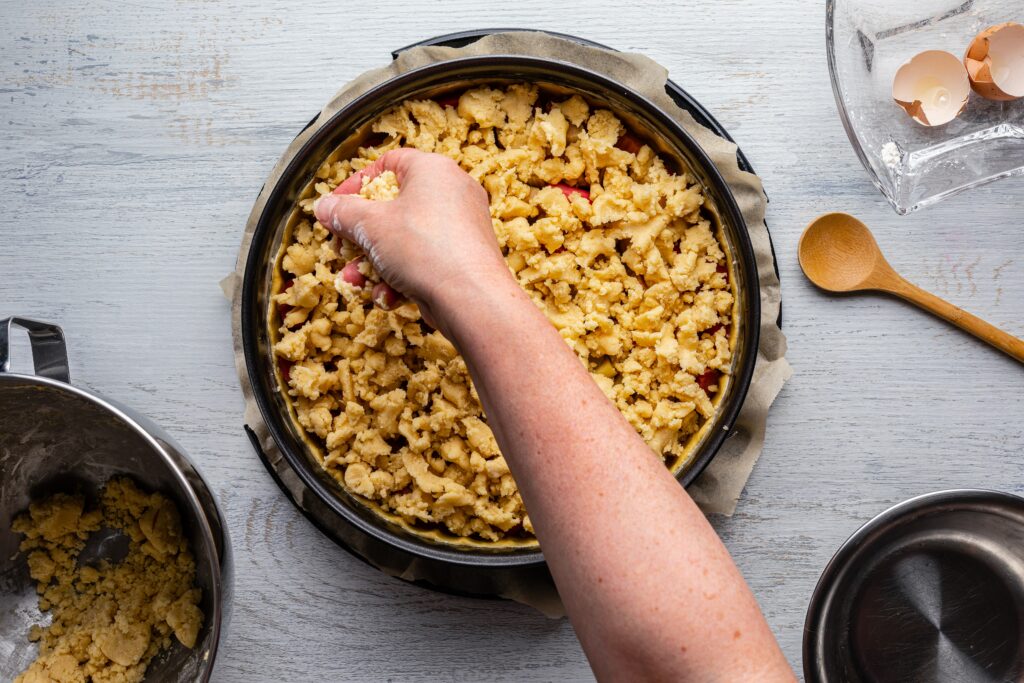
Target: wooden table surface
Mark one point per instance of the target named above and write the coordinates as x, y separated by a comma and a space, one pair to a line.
136, 135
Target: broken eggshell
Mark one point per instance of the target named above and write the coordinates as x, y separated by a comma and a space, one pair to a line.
933, 87
995, 62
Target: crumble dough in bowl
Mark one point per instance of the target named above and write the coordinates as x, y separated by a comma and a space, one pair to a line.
115, 559
609, 215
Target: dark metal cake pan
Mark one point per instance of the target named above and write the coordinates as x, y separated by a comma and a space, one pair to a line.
474, 570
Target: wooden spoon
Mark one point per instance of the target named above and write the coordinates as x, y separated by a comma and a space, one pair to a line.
839, 254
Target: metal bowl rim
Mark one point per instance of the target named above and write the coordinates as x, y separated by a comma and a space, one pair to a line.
205, 530
746, 260
858, 542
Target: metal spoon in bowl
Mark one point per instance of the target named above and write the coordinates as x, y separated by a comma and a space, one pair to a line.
839, 254
104, 545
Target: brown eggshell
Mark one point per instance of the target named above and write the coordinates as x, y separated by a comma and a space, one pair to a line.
995, 62
932, 88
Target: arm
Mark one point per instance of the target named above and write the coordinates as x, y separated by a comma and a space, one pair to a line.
649, 587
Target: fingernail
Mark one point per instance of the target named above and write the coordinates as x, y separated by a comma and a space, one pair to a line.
384, 296
352, 275
323, 207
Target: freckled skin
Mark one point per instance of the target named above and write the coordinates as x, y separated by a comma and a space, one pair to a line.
624, 542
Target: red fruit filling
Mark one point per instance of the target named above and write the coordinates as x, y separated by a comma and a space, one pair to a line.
285, 366
708, 379
449, 101
569, 191
629, 143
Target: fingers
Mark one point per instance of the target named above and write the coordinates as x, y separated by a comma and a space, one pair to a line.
382, 294
346, 216
385, 296
343, 213
398, 161
352, 184
350, 216
427, 314
352, 274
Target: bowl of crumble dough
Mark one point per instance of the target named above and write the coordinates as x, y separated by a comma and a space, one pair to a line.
115, 563
611, 217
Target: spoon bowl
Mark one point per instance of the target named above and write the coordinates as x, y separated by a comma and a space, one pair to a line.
838, 253
105, 545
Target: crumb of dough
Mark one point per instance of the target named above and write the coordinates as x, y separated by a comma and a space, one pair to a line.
383, 188
109, 620
609, 242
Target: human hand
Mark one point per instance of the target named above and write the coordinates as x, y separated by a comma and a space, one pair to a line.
432, 242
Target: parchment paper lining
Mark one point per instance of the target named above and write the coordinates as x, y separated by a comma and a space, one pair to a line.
718, 488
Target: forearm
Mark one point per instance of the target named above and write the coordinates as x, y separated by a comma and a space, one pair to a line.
651, 590
629, 550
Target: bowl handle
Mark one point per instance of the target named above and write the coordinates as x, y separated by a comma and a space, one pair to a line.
49, 352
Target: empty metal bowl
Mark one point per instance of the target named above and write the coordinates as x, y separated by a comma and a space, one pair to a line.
930, 590
55, 437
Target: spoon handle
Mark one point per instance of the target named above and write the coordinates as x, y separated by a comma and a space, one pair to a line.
966, 321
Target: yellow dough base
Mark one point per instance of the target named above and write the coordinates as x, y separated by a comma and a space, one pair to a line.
110, 620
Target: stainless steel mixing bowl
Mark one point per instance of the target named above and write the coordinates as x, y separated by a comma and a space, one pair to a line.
930, 590
57, 437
